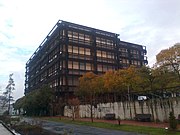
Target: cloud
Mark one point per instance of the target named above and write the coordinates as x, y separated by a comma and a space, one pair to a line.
24, 24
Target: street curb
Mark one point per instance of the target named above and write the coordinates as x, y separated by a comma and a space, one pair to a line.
7, 127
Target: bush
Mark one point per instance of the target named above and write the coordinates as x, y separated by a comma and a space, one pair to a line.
172, 121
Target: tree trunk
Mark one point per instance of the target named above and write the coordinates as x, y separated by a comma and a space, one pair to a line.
124, 109
152, 110
91, 108
134, 104
155, 107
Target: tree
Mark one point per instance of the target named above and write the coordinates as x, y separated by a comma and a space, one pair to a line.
172, 121
170, 59
19, 104
87, 90
9, 90
74, 104
36, 103
130, 79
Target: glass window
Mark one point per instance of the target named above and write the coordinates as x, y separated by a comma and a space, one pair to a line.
60, 81
76, 81
82, 66
69, 34
98, 40
64, 81
105, 68
125, 61
70, 81
70, 48
88, 66
75, 65
99, 67
123, 50
75, 35
70, 64
81, 36
75, 49
98, 53
81, 50
104, 54
87, 37
87, 51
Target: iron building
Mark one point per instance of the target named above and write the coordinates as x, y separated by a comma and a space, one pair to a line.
70, 50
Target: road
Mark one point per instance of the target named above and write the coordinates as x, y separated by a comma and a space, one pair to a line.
72, 129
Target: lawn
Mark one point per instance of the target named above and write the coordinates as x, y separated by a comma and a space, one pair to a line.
122, 127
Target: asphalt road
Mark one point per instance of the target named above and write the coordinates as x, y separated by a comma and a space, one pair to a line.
72, 129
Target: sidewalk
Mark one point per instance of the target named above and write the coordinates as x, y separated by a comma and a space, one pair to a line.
128, 122
4, 131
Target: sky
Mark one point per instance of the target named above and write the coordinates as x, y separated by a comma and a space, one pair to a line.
25, 23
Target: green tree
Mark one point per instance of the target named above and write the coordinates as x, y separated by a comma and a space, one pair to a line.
19, 104
172, 121
36, 103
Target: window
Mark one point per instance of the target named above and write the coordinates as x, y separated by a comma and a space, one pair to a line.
123, 50
75, 49
98, 53
76, 81
64, 80
70, 81
75, 35
134, 52
88, 66
81, 50
87, 37
82, 66
70, 49
87, 51
70, 34
124, 61
81, 36
99, 67
70, 64
60, 81
75, 65
105, 68
104, 54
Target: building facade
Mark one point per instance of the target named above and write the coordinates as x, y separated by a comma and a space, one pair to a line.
70, 50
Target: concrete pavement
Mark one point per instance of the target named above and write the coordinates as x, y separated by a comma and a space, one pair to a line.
72, 129
4, 131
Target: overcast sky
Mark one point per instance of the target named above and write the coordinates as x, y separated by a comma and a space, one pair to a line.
25, 23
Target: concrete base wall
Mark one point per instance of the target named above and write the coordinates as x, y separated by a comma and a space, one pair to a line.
159, 109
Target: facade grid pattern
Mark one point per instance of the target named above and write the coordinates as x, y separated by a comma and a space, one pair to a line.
70, 50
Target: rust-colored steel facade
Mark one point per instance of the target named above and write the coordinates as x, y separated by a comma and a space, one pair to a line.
70, 50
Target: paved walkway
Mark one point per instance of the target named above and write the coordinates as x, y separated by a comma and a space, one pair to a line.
4, 131
72, 129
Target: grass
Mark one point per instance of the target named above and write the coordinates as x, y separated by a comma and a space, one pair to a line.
122, 127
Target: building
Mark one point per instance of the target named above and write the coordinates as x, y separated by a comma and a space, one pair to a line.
70, 50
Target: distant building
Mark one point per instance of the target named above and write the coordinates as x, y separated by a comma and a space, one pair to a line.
70, 50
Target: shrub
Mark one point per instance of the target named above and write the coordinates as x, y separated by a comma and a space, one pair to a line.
172, 121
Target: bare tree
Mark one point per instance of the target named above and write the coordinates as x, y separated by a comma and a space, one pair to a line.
74, 104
